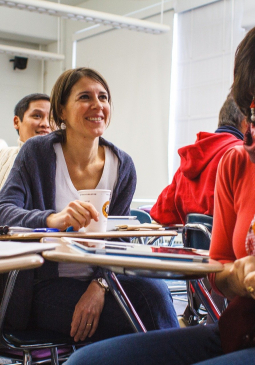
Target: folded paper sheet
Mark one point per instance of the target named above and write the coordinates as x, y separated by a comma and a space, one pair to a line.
140, 227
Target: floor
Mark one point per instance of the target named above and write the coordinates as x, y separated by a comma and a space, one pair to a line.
178, 290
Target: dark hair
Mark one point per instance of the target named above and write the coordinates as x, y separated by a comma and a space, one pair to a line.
230, 114
243, 88
23, 104
63, 86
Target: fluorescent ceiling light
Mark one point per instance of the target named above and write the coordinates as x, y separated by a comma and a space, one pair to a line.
76, 13
31, 53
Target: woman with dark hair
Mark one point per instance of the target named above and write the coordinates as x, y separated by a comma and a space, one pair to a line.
42, 191
232, 340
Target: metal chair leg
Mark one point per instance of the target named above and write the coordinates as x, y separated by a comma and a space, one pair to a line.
54, 356
206, 299
27, 358
123, 300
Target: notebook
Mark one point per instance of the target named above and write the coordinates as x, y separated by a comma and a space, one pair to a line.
91, 246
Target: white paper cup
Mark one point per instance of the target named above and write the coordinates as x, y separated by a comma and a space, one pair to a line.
100, 198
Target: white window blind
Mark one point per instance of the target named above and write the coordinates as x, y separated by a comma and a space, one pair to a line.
206, 38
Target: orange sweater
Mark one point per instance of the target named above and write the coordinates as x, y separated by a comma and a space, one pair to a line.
234, 206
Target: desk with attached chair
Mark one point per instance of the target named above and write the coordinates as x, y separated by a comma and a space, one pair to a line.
28, 347
148, 267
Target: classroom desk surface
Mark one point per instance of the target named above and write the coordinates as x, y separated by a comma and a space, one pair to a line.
102, 235
135, 266
21, 262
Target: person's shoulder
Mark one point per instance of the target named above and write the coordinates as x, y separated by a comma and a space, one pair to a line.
122, 155
9, 151
236, 152
37, 148
235, 158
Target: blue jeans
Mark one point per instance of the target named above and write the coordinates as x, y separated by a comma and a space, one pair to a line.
183, 346
242, 357
54, 302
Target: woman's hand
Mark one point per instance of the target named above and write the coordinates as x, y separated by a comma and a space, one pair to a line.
77, 214
237, 278
87, 312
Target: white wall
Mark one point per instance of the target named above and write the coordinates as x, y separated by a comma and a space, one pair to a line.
248, 20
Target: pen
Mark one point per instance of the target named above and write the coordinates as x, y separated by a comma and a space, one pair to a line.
46, 230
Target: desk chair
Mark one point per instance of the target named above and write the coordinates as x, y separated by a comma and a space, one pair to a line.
176, 287
30, 346
145, 208
197, 234
143, 217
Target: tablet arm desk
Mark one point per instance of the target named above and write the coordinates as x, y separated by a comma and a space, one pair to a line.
148, 267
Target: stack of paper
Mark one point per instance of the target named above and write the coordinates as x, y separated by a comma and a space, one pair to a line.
11, 248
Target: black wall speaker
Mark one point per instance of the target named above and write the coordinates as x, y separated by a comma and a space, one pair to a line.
19, 62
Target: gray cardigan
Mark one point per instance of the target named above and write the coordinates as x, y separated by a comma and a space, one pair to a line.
28, 197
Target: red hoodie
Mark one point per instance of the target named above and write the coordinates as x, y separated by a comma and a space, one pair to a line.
192, 188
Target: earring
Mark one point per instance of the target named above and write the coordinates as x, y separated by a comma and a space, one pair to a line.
252, 106
62, 126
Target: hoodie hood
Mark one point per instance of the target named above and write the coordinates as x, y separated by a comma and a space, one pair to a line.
195, 157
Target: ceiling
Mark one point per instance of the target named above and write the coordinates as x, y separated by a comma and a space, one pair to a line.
77, 2
68, 2
13, 34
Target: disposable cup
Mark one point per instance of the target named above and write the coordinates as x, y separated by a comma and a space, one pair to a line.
100, 198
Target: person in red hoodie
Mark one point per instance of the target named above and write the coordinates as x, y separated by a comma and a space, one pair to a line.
192, 188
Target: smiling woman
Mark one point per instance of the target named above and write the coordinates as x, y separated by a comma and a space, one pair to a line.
42, 191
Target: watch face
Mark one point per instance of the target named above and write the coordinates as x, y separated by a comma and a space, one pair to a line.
104, 282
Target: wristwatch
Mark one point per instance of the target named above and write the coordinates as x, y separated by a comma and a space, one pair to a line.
103, 283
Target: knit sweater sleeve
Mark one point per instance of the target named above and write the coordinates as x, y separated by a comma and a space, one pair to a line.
7, 158
24, 199
12, 204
